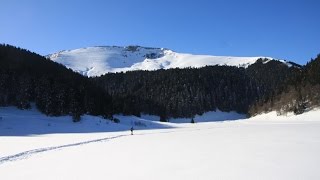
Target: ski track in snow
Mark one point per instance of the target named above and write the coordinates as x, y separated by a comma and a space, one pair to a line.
27, 154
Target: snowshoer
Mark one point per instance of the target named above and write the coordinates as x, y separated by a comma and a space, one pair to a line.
131, 130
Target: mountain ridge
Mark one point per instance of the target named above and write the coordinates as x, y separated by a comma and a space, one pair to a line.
99, 60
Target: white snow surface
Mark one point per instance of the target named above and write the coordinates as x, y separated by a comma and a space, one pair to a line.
266, 147
96, 61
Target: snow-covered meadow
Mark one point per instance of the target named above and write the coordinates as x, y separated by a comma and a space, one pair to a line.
33, 146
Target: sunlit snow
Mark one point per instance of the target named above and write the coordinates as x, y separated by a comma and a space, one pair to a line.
96, 61
33, 146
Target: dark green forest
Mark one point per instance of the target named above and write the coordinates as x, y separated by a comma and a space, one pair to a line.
26, 78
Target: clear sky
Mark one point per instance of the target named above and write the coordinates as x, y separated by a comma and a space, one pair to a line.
285, 29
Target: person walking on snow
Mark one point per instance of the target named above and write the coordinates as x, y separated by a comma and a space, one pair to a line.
131, 130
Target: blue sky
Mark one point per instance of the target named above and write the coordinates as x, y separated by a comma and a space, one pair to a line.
285, 29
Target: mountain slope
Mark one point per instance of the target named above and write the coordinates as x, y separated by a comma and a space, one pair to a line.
96, 61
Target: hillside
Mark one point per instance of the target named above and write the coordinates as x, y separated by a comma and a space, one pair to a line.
190, 91
26, 77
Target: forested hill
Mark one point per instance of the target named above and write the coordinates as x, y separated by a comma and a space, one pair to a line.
26, 77
266, 85
186, 92
299, 94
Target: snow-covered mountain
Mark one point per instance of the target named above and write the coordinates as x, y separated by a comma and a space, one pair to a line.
96, 61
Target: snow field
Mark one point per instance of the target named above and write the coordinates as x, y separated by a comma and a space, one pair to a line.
263, 147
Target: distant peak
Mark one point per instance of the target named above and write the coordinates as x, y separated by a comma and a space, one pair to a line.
99, 60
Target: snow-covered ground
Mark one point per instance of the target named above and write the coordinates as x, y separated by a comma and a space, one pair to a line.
96, 61
33, 146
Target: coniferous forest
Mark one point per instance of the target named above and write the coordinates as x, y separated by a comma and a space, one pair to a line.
264, 86
26, 77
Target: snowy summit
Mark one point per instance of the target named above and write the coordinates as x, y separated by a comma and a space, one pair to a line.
96, 61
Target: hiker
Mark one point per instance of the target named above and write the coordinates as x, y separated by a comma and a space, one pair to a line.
131, 130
